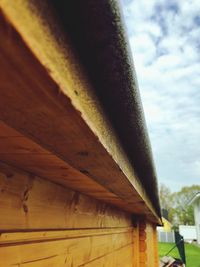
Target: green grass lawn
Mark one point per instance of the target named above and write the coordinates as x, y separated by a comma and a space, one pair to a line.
192, 253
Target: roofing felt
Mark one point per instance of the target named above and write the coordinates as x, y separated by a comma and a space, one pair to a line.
98, 35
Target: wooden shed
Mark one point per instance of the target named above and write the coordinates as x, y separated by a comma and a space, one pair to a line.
77, 181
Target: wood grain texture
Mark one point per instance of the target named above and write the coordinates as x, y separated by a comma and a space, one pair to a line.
101, 250
118, 258
28, 236
150, 246
60, 227
142, 244
20, 151
35, 203
136, 244
46, 96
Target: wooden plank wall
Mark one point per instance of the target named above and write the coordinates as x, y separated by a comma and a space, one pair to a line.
45, 224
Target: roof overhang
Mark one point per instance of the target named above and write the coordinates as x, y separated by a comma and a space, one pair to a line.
79, 54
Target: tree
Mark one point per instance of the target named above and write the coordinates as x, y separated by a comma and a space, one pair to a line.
165, 197
182, 212
177, 204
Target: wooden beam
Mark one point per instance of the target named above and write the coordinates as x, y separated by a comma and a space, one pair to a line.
80, 251
29, 202
151, 256
11, 238
20, 151
46, 96
120, 257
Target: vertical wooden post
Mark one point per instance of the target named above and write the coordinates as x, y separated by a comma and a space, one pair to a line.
150, 245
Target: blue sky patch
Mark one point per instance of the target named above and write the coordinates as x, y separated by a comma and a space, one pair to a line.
164, 38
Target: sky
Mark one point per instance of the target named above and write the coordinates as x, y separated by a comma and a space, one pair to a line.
164, 37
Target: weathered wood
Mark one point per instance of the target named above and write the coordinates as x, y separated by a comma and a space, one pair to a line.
118, 258
11, 238
136, 244
98, 235
142, 244
20, 151
28, 202
111, 248
150, 246
63, 115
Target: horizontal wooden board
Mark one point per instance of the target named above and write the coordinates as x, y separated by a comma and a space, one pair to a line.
46, 96
11, 238
35, 203
85, 251
121, 257
26, 154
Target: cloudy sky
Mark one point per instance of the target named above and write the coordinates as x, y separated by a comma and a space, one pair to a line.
164, 37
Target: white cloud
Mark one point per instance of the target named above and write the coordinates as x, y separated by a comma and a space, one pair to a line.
164, 38
141, 43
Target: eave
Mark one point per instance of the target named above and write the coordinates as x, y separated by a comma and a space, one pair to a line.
90, 120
